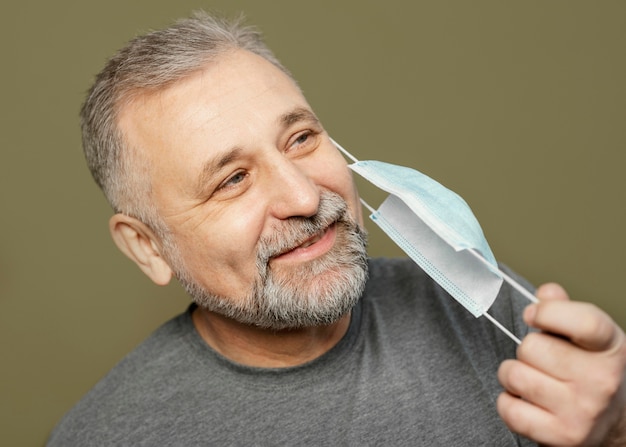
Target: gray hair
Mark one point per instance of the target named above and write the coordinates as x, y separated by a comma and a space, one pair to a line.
148, 63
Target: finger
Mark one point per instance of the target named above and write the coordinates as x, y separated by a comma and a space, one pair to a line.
530, 421
548, 428
534, 386
583, 323
545, 292
552, 355
551, 292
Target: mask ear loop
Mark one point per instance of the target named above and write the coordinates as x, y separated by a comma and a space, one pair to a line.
343, 151
516, 285
354, 160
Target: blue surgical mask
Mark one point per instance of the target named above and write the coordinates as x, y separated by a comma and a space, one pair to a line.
436, 228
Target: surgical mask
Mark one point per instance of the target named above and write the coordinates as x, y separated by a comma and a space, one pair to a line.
436, 228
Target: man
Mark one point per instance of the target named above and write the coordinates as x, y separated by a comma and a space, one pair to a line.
222, 176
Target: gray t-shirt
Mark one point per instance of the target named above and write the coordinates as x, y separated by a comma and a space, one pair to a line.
414, 368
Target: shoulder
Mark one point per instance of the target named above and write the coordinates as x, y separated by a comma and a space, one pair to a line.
107, 413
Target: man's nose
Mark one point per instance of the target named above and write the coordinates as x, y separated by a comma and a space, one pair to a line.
293, 191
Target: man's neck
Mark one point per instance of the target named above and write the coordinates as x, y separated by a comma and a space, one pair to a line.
253, 346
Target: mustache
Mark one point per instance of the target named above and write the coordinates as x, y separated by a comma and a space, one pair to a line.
292, 232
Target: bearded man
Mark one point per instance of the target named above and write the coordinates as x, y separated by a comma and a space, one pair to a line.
221, 175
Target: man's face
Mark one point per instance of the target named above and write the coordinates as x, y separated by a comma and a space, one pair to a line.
260, 204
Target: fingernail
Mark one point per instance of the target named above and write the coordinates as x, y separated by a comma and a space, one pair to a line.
529, 314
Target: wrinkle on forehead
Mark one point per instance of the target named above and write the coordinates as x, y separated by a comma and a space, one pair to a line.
216, 78
213, 78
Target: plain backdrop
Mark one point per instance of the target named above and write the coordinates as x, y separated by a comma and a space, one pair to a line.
520, 107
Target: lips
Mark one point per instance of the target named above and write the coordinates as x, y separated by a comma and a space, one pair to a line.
311, 240
312, 247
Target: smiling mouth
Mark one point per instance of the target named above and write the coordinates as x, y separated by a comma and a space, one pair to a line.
312, 247
311, 240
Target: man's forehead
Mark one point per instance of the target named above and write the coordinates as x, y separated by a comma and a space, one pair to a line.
230, 81
237, 82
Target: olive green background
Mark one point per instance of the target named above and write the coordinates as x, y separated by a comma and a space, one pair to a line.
518, 106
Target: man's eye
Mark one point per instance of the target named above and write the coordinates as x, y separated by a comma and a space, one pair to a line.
303, 141
302, 138
237, 178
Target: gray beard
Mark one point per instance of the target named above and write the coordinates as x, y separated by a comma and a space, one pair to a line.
315, 293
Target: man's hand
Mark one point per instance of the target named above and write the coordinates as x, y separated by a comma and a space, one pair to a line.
567, 386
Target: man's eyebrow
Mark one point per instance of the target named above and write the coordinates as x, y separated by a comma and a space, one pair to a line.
212, 167
296, 115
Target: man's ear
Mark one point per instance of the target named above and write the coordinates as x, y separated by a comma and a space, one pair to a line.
139, 243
